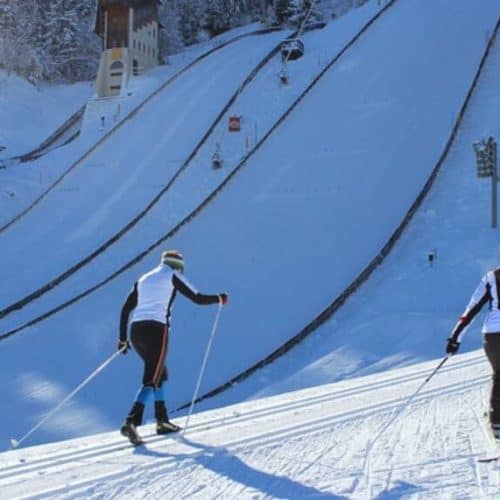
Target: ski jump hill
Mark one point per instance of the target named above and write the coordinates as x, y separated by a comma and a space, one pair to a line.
328, 169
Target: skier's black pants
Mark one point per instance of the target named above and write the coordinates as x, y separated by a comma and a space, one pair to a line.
150, 340
492, 349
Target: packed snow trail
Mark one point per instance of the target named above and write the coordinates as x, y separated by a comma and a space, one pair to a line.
304, 444
286, 189
192, 194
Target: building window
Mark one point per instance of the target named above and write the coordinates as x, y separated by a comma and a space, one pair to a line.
116, 68
134, 43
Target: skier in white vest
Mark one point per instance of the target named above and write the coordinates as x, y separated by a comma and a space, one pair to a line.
486, 293
150, 302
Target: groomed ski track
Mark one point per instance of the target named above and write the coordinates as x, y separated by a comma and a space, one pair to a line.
210, 189
305, 444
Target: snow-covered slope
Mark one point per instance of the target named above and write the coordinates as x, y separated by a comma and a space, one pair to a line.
124, 173
406, 310
260, 105
28, 113
378, 95
90, 328
280, 200
314, 443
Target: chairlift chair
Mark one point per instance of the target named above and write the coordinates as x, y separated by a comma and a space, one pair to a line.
291, 49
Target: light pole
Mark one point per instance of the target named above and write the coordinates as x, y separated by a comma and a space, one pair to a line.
486, 163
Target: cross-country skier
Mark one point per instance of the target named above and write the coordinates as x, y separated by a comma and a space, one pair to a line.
150, 302
487, 292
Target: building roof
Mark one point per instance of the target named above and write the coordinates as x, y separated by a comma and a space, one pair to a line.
102, 4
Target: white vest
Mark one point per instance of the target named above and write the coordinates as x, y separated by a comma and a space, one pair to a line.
154, 294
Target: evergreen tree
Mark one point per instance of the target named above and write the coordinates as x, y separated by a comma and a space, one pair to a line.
303, 8
219, 16
17, 23
283, 10
53, 39
191, 13
170, 38
258, 10
48, 39
60, 46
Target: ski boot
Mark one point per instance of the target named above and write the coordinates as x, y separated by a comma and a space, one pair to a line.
163, 424
129, 430
133, 420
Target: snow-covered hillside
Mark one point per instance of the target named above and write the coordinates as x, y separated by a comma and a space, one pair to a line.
406, 310
79, 228
43, 109
315, 443
294, 226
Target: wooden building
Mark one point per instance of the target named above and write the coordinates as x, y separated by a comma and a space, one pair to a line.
129, 32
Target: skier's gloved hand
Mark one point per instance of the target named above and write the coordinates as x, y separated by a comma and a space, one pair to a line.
223, 298
123, 344
452, 346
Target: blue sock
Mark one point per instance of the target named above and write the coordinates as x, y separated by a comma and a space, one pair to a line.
159, 393
144, 394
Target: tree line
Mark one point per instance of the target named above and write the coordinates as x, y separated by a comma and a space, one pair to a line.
54, 40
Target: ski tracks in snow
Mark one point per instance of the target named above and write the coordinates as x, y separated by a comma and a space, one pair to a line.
280, 447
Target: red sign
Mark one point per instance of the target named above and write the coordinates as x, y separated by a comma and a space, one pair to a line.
234, 124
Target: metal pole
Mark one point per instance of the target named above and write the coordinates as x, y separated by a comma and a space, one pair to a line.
16, 442
207, 351
494, 181
396, 414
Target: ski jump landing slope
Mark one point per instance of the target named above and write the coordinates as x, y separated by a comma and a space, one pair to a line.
263, 101
121, 176
306, 444
256, 102
291, 230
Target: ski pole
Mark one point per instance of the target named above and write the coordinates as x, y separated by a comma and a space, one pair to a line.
15, 443
207, 350
396, 415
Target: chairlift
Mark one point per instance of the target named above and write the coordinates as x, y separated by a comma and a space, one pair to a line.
217, 161
291, 49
